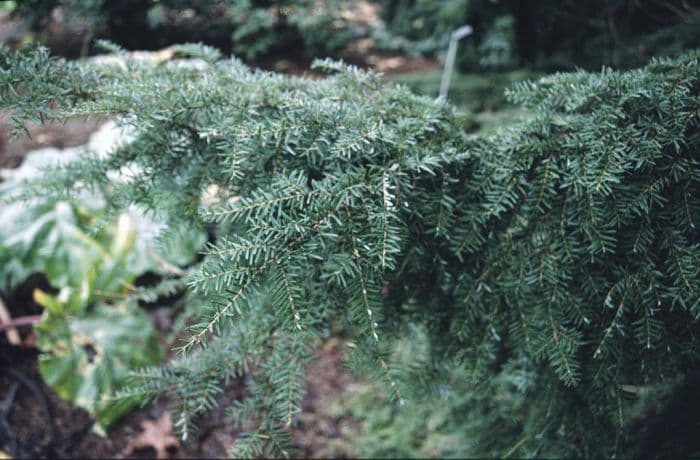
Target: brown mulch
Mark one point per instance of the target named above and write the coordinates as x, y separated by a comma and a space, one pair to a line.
63, 430
66, 431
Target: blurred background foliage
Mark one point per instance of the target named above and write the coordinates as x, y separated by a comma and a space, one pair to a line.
249, 28
542, 34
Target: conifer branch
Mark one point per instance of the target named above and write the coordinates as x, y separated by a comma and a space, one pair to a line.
499, 249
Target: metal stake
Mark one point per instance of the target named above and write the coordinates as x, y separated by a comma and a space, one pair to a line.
457, 35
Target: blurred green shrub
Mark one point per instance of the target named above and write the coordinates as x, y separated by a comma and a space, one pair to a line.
419, 27
316, 28
497, 49
88, 346
546, 34
250, 28
92, 332
88, 351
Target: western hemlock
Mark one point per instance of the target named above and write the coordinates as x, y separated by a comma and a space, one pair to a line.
552, 269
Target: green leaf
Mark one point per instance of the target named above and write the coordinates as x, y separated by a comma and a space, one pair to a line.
87, 359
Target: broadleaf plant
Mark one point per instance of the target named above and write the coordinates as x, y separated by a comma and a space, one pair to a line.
552, 268
92, 332
88, 357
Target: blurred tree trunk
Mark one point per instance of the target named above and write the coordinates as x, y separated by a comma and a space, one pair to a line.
523, 12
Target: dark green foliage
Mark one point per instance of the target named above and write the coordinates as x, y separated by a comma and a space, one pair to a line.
249, 28
621, 33
419, 26
552, 269
544, 34
304, 28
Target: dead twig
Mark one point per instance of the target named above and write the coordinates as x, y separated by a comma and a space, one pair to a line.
18, 322
10, 330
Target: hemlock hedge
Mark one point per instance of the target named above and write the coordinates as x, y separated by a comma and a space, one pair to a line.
546, 278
